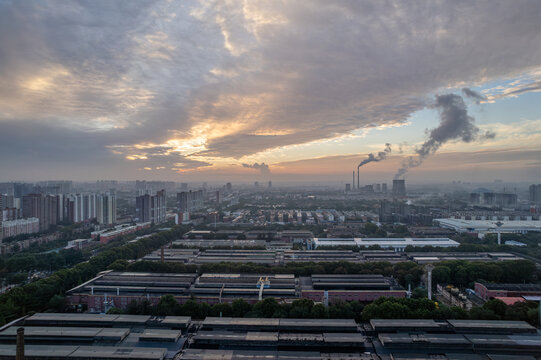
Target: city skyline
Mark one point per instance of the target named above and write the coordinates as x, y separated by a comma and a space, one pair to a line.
260, 90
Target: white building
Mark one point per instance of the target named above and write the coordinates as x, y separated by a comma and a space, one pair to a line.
397, 244
106, 209
490, 226
18, 227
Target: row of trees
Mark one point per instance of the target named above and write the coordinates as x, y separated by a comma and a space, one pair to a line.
382, 308
41, 261
390, 308
37, 295
464, 274
267, 308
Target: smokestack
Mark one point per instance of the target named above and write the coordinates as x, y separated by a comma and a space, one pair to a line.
429, 269
382, 155
19, 355
353, 180
162, 254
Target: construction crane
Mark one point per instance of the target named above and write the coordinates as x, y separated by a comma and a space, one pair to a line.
262, 284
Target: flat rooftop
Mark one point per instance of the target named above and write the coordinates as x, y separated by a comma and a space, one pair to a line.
105, 320
84, 352
340, 325
512, 287
490, 225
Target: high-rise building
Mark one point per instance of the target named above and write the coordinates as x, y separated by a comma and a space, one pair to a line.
348, 187
79, 207
106, 209
6, 201
151, 208
399, 187
190, 200
228, 186
535, 193
270, 184
43, 207
384, 188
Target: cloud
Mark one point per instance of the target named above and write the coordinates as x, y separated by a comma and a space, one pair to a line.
474, 95
263, 168
233, 79
455, 124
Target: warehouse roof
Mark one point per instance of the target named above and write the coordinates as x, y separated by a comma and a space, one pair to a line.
59, 333
512, 287
85, 352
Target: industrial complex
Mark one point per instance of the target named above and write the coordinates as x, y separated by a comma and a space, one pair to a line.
117, 289
144, 337
285, 256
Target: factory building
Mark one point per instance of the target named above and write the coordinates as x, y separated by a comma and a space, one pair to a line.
95, 337
487, 291
118, 289
83, 336
397, 244
339, 288
481, 227
279, 254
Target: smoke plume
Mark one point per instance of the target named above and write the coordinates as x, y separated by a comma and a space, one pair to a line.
455, 124
382, 155
263, 168
474, 95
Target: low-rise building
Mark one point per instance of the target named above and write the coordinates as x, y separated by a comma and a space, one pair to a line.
487, 291
397, 244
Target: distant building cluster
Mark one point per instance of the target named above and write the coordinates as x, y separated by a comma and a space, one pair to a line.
51, 203
489, 198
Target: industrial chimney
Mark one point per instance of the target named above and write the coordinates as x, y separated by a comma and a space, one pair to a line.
19, 355
429, 269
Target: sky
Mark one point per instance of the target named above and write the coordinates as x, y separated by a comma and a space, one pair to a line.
270, 90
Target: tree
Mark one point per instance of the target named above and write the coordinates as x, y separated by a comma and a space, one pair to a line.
441, 275
319, 312
119, 265
167, 306
479, 313
57, 303
498, 307
240, 308
267, 308
222, 310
